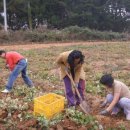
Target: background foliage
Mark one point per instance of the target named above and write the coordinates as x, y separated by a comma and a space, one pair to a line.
103, 15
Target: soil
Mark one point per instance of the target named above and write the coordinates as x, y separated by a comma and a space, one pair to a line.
66, 124
29, 46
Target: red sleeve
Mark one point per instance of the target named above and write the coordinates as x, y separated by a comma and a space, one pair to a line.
10, 63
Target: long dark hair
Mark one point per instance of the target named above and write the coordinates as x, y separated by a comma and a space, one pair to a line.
75, 54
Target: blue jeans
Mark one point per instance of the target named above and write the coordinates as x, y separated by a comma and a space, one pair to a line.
21, 67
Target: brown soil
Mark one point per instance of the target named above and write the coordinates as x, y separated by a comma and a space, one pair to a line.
29, 46
66, 124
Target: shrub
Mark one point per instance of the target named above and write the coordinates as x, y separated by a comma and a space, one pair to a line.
74, 33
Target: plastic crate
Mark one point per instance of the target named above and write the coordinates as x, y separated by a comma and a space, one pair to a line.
48, 105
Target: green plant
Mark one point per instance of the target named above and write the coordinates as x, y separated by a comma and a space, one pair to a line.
122, 127
59, 92
43, 122
82, 119
56, 119
28, 116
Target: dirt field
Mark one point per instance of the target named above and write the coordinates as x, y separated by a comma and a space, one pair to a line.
28, 46
100, 57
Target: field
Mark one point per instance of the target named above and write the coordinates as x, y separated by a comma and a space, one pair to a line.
16, 108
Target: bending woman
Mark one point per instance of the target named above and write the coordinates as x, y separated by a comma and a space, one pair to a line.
72, 63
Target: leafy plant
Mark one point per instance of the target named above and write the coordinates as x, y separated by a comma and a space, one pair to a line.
28, 116
122, 127
43, 122
56, 119
82, 119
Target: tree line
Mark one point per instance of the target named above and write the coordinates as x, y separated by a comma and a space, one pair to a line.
110, 15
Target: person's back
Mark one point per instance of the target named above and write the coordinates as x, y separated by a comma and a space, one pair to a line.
14, 55
125, 92
12, 58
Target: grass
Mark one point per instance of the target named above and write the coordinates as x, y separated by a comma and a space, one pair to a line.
99, 59
72, 33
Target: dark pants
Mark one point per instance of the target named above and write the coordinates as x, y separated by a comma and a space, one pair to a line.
72, 97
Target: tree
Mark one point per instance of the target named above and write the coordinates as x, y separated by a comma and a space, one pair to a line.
96, 14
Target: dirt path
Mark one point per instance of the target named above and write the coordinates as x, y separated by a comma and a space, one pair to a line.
29, 45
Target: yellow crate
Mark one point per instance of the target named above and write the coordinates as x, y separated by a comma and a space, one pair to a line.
48, 105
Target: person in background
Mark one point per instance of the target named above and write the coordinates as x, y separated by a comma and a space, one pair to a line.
71, 62
119, 99
17, 64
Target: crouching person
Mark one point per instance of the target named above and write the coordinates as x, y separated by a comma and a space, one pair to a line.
17, 64
119, 99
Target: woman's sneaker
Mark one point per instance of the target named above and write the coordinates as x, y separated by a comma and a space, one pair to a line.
5, 91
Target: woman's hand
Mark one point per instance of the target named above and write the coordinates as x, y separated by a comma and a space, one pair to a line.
114, 101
